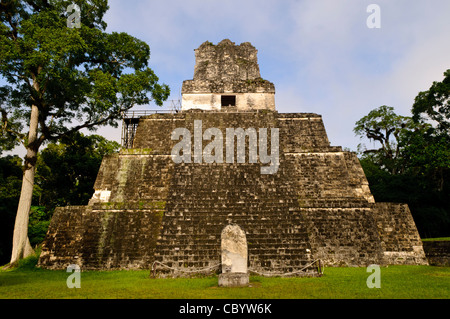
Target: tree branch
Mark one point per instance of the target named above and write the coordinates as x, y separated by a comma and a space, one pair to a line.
87, 124
20, 136
38, 7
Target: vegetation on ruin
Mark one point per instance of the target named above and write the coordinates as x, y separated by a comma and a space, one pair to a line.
133, 151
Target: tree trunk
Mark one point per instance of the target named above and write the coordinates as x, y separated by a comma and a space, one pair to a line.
21, 244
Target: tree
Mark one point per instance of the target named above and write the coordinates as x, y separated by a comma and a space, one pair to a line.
413, 167
427, 153
435, 104
65, 175
384, 126
66, 171
63, 79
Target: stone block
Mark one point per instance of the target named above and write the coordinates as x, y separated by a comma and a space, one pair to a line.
234, 279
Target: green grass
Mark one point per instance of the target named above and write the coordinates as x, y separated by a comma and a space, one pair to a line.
436, 239
407, 282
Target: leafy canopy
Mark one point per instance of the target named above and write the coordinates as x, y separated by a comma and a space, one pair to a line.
66, 170
386, 127
435, 104
412, 163
77, 77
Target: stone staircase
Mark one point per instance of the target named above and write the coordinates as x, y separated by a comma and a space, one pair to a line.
199, 208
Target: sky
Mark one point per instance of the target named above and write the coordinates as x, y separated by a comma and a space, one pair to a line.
321, 55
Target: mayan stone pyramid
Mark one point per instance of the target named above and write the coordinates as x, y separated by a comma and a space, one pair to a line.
149, 207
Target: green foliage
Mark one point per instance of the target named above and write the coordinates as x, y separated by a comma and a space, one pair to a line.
428, 206
30, 262
83, 76
65, 175
10, 184
414, 168
386, 127
437, 239
38, 224
434, 104
66, 171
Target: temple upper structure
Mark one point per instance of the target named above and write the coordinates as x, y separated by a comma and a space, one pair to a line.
227, 77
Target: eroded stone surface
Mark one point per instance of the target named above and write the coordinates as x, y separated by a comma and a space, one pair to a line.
233, 279
227, 76
234, 250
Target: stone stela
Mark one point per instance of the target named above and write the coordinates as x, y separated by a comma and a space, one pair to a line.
315, 205
234, 257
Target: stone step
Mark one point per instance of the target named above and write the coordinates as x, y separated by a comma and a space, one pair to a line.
214, 234
184, 251
212, 229
256, 248
205, 244
195, 222
277, 265
259, 252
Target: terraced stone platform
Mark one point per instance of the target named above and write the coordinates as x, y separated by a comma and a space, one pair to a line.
147, 208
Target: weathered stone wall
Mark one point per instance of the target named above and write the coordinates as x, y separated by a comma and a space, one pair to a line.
381, 233
227, 69
400, 240
234, 87
343, 236
106, 236
328, 179
299, 132
226, 61
205, 198
437, 252
244, 101
133, 175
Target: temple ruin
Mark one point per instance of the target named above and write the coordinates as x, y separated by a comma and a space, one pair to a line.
149, 211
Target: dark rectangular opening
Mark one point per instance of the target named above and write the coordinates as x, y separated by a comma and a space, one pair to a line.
228, 100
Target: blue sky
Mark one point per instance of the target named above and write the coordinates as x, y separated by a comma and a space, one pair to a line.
320, 54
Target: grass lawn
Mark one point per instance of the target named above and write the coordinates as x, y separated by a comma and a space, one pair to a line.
436, 239
406, 282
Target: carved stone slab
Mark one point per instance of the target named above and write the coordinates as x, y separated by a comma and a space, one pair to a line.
234, 249
234, 257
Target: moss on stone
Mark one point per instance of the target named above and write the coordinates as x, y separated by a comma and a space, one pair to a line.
136, 151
